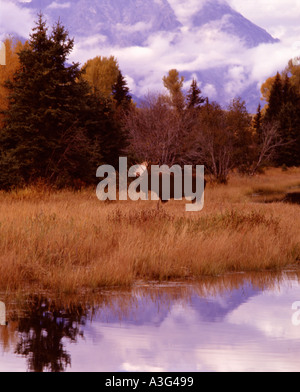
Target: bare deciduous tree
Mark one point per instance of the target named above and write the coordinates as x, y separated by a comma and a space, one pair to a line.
221, 140
270, 142
215, 141
158, 133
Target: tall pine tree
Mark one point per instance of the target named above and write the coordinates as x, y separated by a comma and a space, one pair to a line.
257, 124
283, 112
194, 98
275, 100
54, 126
121, 93
289, 120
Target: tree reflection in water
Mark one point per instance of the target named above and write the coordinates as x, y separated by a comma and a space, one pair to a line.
44, 327
41, 332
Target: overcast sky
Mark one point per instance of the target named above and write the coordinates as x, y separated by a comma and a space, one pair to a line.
193, 51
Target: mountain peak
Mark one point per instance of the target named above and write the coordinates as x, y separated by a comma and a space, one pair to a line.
206, 39
121, 23
231, 22
131, 22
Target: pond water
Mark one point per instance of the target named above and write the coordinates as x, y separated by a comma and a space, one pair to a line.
234, 323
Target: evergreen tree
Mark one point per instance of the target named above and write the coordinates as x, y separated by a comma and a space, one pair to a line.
283, 112
121, 93
54, 125
275, 100
257, 124
287, 92
238, 122
289, 122
194, 98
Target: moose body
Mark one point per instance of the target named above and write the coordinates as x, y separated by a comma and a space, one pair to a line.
173, 189
168, 184
164, 183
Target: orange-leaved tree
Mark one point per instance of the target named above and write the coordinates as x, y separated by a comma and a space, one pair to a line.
12, 47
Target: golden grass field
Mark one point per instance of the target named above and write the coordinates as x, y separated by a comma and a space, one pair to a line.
69, 241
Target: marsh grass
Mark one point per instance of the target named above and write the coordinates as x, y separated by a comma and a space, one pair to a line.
68, 241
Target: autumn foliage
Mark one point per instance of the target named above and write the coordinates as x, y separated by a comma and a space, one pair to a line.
59, 122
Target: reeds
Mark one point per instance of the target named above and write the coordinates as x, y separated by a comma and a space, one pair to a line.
69, 241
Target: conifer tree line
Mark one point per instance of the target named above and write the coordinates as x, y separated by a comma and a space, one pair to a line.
55, 126
59, 122
283, 111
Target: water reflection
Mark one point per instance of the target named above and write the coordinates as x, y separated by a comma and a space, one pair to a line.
236, 322
42, 329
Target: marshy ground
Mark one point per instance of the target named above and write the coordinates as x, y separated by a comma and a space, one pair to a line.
69, 241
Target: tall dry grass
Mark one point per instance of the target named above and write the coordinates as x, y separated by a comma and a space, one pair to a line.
69, 241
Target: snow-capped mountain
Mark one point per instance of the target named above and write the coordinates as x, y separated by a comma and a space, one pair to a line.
130, 22
206, 39
232, 23
120, 22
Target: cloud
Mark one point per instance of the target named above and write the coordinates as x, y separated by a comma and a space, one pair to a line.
280, 18
256, 335
56, 5
202, 49
188, 50
138, 27
206, 48
14, 19
185, 9
210, 90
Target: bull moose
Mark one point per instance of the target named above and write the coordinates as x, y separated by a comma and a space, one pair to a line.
173, 189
